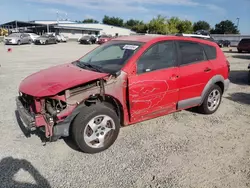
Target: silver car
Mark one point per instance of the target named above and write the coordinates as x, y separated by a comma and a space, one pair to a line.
18, 38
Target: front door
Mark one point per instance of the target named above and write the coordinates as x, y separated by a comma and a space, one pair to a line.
153, 91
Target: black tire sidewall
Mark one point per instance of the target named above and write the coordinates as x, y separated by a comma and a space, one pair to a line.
204, 106
80, 122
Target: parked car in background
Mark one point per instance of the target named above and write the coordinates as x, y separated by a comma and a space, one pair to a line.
202, 32
61, 38
104, 38
18, 38
122, 82
46, 39
33, 36
244, 45
88, 39
223, 43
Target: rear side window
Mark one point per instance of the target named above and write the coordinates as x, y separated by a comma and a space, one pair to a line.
210, 51
245, 41
191, 52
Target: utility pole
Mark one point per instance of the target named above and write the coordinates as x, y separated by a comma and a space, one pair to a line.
57, 17
238, 21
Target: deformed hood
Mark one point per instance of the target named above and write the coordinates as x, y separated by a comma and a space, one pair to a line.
53, 80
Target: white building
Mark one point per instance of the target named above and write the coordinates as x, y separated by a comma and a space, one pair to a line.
74, 30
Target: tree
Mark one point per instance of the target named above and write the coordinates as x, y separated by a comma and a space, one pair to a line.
90, 20
141, 28
158, 25
115, 21
201, 25
172, 24
225, 27
132, 23
185, 26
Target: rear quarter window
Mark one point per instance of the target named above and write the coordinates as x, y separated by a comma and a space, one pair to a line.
244, 41
210, 51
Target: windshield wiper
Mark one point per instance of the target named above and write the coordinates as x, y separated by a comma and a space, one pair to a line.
94, 67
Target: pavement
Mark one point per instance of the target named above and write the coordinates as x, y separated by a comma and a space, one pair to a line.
180, 150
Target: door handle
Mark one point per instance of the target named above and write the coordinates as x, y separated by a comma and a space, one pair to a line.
207, 69
174, 77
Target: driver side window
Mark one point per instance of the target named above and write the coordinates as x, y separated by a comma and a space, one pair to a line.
161, 55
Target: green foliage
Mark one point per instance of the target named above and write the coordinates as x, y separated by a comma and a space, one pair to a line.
158, 25
141, 28
172, 24
132, 23
225, 27
185, 26
201, 25
115, 21
90, 21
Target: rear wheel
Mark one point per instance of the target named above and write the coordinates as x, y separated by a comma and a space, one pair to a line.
95, 128
212, 100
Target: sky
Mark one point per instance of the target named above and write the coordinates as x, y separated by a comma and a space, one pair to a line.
212, 11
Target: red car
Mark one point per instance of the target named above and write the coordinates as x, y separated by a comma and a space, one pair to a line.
244, 45
123, 82
104, 38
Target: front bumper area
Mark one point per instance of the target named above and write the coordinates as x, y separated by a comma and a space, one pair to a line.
31, 123
27, 119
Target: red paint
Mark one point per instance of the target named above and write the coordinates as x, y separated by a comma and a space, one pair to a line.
143, 96
151, 91
103, 40
51, 81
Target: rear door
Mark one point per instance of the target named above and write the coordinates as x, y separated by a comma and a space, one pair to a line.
195, 72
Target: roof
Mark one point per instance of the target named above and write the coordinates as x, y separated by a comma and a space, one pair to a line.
146, 38
19, 24
137, 38
78, 28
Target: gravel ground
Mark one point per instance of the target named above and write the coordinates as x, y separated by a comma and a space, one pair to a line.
183, 149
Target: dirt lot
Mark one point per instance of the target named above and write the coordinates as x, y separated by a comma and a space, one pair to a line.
184, 149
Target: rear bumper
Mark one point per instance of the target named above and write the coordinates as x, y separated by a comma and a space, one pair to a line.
10, 42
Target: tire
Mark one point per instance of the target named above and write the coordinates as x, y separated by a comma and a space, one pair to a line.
80, 128
240, 51
204, 108
19, 43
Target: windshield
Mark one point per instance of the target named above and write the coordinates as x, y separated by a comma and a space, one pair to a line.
109, 57
14, 35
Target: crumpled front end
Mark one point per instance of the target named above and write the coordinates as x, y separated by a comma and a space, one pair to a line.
42, 115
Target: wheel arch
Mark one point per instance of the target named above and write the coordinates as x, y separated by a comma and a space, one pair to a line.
215, 80
64, 128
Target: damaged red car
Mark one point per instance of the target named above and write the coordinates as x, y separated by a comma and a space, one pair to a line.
122, 82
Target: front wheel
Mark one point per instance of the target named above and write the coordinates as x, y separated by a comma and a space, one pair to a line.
212, 100
95, 128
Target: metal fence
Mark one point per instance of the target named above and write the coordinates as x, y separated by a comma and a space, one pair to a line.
234, 39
